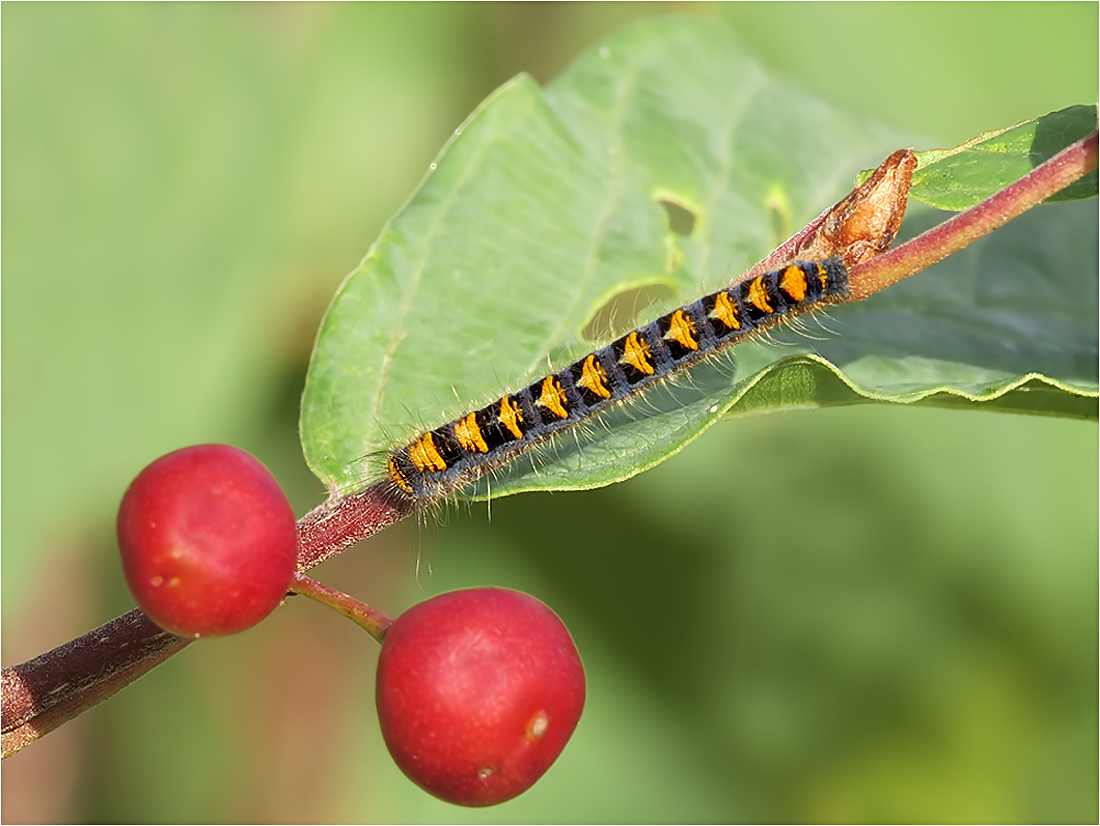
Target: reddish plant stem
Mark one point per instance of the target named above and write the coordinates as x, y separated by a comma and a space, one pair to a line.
344, 520
41, 694
957, 232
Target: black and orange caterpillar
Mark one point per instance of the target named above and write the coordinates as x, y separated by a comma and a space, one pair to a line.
440, 461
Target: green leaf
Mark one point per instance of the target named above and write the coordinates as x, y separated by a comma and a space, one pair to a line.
958, 178
547, 204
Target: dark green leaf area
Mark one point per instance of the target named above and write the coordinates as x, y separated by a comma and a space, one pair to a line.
549, 203
1021, 300
958, 178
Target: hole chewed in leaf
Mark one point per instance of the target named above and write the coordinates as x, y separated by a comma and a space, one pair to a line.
619, 314
681, 215
778, 210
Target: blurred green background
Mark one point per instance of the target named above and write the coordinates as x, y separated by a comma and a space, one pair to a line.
184, 187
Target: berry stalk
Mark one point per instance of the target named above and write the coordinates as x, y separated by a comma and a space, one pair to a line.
371, 620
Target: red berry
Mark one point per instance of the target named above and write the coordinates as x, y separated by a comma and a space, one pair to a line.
478, 692
208, 541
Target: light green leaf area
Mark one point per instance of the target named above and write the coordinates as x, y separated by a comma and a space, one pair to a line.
958, 178
549, 203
